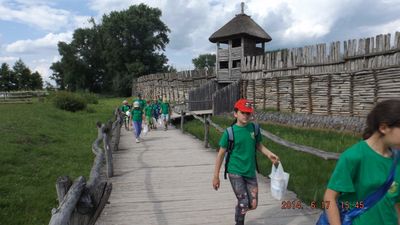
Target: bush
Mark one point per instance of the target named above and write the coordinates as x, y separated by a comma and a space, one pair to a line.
69, 101
90, 98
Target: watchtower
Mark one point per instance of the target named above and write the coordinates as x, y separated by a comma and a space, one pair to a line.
239, 38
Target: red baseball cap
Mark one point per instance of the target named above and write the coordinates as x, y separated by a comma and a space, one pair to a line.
244, 105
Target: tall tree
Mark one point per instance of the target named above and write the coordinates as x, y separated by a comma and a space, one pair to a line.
204, 60
134, 39
5, 77
9, 80
58, 75
106, 57
36, 81
23, 74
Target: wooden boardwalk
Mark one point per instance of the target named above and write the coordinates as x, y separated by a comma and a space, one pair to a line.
166, 180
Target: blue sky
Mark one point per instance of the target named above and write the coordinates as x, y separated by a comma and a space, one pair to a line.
31, 29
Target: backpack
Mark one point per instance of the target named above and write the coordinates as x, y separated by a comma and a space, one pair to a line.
231, 142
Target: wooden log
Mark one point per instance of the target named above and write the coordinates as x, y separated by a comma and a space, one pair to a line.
103, 201
107, 149
206, 131
62, 186
182, 119
62, 214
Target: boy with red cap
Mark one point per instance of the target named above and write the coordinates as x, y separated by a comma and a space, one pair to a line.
242, 159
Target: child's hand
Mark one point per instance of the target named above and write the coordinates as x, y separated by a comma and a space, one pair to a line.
216, 183
274, 158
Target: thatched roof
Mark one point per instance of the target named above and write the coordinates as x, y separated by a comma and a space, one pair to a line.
240, 25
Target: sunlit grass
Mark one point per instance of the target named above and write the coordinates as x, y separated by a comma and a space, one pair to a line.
39, 143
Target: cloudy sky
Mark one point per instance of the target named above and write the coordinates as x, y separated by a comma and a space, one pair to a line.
31, 29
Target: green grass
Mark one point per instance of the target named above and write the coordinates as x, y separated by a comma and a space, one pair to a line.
39, 143
308, 174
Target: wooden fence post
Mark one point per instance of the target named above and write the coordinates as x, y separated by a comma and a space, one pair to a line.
309, 95
278, 104
254, 91
351, 97
292, 97
62, 215
62, 186
329, 94
107, 149
182, 118
264, 93
206, 130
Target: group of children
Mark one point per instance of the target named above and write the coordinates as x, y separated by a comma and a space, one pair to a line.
362, 170
148, 111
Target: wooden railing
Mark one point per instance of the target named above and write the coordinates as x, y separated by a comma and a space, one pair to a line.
21, 96
81, 202
206, 120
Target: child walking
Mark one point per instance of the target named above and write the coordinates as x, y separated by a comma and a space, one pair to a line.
242, 162
137, 118
363, 169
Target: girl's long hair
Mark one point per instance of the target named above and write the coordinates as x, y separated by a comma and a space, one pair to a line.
386, 112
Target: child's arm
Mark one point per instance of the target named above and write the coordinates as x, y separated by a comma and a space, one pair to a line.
333, 210
271, 156
218, 163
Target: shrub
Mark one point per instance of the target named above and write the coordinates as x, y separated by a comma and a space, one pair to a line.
90, 98
69, 101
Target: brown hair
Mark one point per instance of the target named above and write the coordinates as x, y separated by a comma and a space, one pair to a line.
385, 112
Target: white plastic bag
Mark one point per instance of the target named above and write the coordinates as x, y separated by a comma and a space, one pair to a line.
279, 181
145, 129
160, 121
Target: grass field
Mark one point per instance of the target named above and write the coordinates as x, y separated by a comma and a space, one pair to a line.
308, 174
39, 143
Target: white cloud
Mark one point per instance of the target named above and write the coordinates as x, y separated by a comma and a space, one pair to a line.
48, 42
40, 16
44, 70
8, 59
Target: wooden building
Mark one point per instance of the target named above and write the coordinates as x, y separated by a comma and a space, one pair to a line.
239, 38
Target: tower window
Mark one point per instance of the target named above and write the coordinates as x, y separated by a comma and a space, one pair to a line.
236, 63
236, 42
223, 65
223, 45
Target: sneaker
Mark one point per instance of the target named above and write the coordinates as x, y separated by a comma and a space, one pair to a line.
137, 140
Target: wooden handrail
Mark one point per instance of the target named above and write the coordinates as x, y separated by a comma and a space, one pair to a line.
95, 193
301, 148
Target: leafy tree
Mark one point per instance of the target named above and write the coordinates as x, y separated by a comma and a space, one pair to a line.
19, 78
106, 57
36, 81
4, 77
22, 73
8, 80
204, 60
58, 75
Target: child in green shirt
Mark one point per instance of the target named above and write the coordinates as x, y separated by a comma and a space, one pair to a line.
137, 118
242, 164
364, 167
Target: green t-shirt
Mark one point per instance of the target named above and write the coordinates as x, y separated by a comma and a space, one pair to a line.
148, 110
125, 108
137, 114
165, 108
361, 171
243, 159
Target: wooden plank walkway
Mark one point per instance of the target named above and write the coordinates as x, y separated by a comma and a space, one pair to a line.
166, 180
